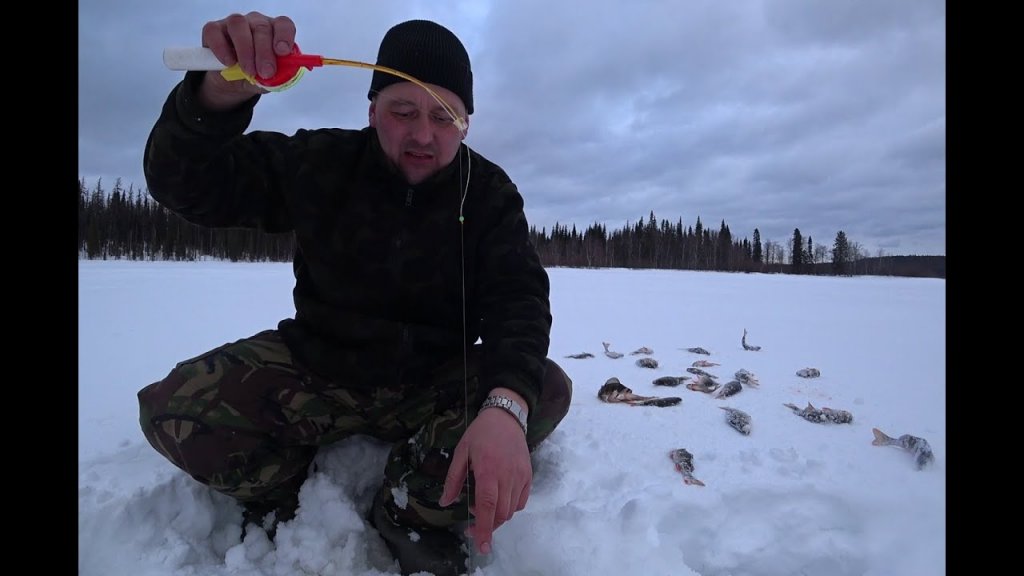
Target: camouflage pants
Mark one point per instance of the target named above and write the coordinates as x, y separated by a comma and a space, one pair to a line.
245, 420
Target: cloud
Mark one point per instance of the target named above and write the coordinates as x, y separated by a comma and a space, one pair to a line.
768, 114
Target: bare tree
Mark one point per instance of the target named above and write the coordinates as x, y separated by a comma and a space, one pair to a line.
769, 252
820, 253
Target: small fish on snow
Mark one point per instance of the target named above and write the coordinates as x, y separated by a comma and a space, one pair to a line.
748, 346
837, 416
614, 392
809, 413
732, 387
820, 416
641, 350
703, 383
609, 353
581, 355
699, 350
914, 444
738, 419
670, 380
700, 372
647, 362
683, 460
704, 364
808, 373
747, 377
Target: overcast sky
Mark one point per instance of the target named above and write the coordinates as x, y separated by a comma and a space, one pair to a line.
822, 115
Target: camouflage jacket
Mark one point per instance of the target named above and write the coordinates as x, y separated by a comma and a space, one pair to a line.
379, 274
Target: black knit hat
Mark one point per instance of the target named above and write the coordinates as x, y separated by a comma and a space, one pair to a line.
429, 53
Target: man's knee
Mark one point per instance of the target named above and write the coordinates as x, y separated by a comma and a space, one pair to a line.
215, 444
171, 422
227, 386
556, 396
552, 406
190, 417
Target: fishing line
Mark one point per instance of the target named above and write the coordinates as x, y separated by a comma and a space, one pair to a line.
465, 346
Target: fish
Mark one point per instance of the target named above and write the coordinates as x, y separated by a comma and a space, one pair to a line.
732, 387
704, 364
647, 362
609, 353
670, 380
837, 416
703, 383
808, 373
747, 377
614, 392
914, 444
683, 460
748, 346
581, 355
820, 416
698, 350
810, 413
738, 419
659, 402
700, 372
641, 350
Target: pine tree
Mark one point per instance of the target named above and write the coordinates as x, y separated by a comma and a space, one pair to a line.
698, 245
797, 252
724, 248
840, 254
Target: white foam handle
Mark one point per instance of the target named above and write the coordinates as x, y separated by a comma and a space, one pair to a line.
192, 58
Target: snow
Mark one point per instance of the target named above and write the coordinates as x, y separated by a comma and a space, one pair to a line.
793, 497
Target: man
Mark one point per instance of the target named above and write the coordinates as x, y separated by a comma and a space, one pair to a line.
421, 308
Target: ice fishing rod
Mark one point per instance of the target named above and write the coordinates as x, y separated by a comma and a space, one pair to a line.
290, 69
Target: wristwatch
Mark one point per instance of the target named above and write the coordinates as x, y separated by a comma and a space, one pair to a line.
508, 405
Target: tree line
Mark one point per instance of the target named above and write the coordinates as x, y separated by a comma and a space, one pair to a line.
129, 224
126, 223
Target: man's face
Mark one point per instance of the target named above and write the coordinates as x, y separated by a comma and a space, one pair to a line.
416, 133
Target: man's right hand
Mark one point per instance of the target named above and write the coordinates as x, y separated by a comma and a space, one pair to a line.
253, 42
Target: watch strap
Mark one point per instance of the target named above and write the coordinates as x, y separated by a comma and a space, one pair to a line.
509, 405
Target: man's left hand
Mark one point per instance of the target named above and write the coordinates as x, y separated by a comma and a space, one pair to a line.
494, 447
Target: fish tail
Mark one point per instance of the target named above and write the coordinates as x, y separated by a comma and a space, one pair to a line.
881, 439
692, 480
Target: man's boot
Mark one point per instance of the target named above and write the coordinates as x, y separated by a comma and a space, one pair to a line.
436, 550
